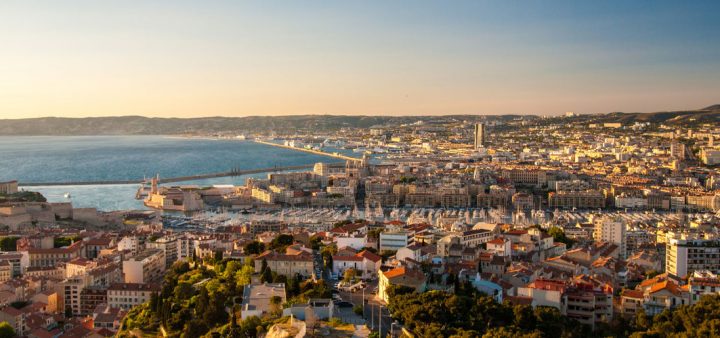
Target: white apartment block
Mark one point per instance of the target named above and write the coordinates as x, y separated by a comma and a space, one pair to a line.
145, 267
683, 257
393, 241
611, 231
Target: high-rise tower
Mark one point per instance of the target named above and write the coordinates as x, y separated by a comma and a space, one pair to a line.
479, 135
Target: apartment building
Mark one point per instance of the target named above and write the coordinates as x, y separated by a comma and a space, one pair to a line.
51, 257
589, 199
587, 303
289, 265
395, 240
684, 256
611, 231
145, 267
127, 295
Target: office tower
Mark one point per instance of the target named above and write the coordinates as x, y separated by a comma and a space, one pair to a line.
479, 135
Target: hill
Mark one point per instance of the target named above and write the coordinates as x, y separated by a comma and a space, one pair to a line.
138, 125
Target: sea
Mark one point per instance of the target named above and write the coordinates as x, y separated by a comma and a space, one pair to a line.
38, 159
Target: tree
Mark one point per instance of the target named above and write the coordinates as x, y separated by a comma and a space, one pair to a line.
559, 236
281, 242
254, 248
6, 330
218, 256
266, 275
275, 302
183, 291
243, 277
349, 275
8, 243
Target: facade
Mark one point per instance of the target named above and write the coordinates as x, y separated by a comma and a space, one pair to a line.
400, 276
473, 238
589, 199
127, 295
289, 265
586, 303
683, 257
8, 188
365, 263
51, 257
480, 135
395, 240
611, 231
146, 267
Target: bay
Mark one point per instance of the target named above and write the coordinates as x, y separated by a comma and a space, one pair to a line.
33, 159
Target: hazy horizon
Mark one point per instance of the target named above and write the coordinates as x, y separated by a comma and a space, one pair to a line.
224, 59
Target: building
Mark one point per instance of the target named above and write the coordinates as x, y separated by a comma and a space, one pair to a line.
611, 231
587, 303
259, 299
479, 135
473, 238
300, 263
394, 240
365, 263
7, 188
710, 156
677, 150
402, 277
683, 257
127, 295
15, 318
702, 282
51, 257
146, 267
589, 199
167, 245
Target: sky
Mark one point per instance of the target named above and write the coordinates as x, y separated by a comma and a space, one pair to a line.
237, 58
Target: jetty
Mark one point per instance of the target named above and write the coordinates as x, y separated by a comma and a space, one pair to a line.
311, 151
233, 172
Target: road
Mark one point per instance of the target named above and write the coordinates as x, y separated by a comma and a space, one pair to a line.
374, 309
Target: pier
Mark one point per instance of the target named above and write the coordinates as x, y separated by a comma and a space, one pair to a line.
233, 172
311, 151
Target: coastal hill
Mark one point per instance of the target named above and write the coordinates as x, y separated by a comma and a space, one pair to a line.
709, 114
138, 125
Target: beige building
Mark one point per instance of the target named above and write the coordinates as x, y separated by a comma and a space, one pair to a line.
146, 267
286, 264
127, 295
7, 188
589, 199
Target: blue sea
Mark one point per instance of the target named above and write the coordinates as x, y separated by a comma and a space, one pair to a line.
33, 159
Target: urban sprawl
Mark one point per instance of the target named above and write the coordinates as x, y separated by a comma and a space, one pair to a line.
597, 223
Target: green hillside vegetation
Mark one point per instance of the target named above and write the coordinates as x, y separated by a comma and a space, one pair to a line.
199, 300
469, 313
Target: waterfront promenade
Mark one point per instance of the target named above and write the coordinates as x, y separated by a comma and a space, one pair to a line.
311, 151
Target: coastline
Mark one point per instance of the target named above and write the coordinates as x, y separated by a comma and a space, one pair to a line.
311, 151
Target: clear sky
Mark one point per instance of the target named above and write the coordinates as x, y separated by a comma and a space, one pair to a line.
235, 58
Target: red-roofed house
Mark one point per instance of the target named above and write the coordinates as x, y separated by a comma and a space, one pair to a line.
365, 263
400, 276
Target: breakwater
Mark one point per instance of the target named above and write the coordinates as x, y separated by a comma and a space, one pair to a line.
233, 172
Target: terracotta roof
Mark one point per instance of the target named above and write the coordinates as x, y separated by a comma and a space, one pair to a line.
637, 294
370, 256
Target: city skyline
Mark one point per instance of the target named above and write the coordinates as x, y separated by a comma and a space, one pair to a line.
405, 58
